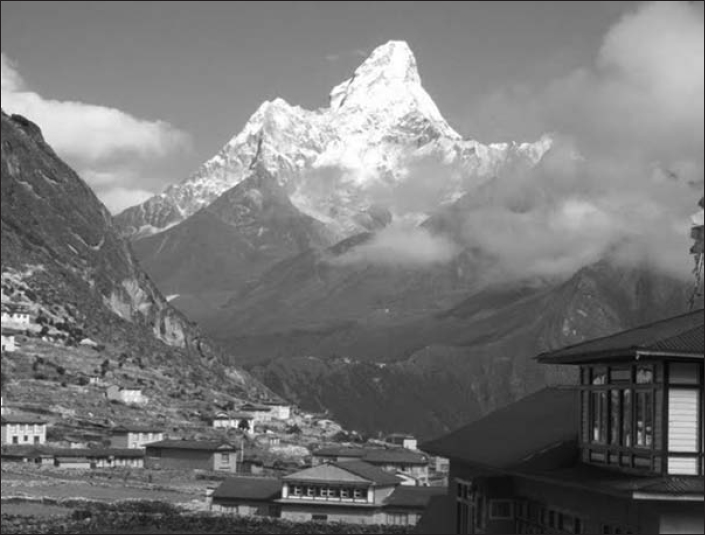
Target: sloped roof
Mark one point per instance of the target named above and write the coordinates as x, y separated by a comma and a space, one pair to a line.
21, 419
202, 445
350, 472
413, 497
371, 473
340, 452
680, 335
395, 456
249, 488
121, 429
515, 433
615, 483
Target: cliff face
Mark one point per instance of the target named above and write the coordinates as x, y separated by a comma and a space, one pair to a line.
60, 243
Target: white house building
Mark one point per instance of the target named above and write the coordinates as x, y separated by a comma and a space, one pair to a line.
23, 430
8, 343
135, 437
128, 396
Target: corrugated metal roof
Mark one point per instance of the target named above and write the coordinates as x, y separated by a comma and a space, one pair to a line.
369, 472
413, 497
395, 456
510, 436
680, 335
249, 488
203, 445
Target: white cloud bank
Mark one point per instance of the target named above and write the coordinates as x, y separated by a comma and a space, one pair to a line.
112, 150
635, 117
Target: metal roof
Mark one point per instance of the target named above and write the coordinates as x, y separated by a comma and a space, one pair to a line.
513, 434
680, 335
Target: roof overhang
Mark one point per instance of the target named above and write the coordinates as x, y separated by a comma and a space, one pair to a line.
612, 356
663, 497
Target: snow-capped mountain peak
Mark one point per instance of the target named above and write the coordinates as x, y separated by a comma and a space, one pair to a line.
332, 162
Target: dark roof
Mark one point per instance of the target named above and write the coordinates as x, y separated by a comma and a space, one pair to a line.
513, 434
395, 456
45, 451
20, 419
439, 518
413, 497
137, 429
202, 445
681, 335
341, 452
249, 488
615, 483
370, 473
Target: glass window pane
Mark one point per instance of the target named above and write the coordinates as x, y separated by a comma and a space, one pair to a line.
645, 375
621, 375
627, 419
683, 373
644, 419
615, 416
599, 417
599, 376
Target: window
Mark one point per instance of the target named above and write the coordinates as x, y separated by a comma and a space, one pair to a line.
598, 411
397, 519
345, 493
501, 510
310, 492
15, 440
464, 509
298, 491
644, 419
359, 494
644, 375
615, 416
627, 419
36, 440
683, 373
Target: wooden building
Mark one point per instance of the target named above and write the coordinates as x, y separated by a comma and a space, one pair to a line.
192, 455
620, 453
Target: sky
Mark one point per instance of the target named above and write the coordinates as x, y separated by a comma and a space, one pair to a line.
135, 95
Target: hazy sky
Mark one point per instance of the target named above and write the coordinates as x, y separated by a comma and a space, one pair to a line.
137, 94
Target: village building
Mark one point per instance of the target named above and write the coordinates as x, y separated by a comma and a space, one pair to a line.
278, 410
351, 492
411, 466
18, 315
620, 453
403, 441
217, 456
259, 413
135, 437
23, 430
8, 343
128, 396
242, 421
74, 458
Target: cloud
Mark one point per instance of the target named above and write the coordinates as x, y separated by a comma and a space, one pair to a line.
117, 199
621, 180
401, 246
357, 53
112, 150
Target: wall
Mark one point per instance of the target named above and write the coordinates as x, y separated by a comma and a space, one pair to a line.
246, 508
31, 431
682, 519
350, 515
189, 460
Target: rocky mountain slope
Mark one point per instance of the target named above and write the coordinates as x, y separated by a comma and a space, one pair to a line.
60, 246
431, 374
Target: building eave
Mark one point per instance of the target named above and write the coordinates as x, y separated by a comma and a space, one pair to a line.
665, 497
